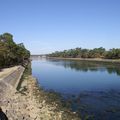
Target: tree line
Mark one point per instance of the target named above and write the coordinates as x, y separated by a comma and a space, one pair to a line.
12, 53
88, 53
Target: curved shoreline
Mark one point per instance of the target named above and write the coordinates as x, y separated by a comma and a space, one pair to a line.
30, 102
88, 59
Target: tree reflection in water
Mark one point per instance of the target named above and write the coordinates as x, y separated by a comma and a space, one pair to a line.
86, 66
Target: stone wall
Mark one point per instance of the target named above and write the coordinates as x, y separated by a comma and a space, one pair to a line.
12, 80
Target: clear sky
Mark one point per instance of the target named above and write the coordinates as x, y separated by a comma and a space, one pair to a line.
45, 26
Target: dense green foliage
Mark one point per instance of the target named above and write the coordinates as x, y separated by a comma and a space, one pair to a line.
12, 53
88, 53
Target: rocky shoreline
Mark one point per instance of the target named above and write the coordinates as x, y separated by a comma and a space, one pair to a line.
31, 102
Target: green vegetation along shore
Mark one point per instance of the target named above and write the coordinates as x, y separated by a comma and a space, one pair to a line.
101, 53
11, 53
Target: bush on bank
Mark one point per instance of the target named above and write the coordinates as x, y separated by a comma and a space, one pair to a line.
12, 53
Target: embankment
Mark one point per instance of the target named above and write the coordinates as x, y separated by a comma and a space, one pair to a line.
10, 78
13, 78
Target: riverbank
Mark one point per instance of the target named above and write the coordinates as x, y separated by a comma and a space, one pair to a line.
30, 102
88, 59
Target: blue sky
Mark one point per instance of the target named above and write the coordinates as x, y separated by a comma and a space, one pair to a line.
45, 26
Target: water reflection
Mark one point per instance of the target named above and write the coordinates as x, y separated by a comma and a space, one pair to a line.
91, 88
86, 66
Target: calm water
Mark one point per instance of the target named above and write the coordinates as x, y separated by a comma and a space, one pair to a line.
93, 88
